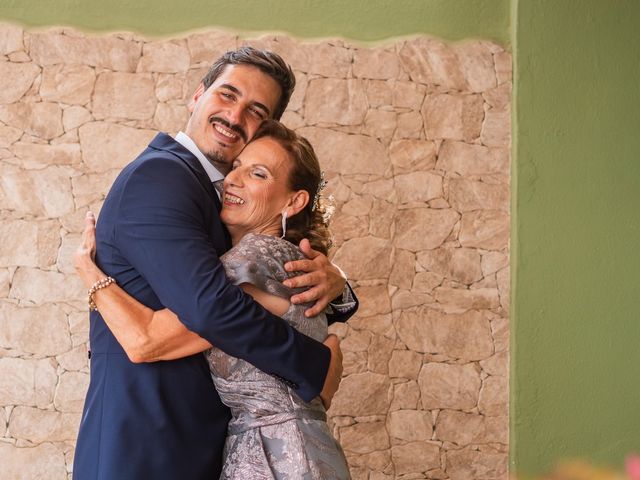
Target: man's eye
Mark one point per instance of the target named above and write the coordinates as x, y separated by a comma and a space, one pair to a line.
258, 113
228, 96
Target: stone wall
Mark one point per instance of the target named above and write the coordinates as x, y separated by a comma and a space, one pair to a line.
414, 136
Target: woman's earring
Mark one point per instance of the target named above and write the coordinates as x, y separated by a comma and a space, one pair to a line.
284, 223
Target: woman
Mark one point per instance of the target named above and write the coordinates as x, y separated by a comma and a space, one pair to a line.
270, 202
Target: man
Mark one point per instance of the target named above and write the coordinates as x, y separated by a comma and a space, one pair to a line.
160, 237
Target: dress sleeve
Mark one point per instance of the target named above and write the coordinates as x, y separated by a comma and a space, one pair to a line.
259, 260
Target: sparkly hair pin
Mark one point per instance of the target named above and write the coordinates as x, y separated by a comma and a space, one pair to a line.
316, 197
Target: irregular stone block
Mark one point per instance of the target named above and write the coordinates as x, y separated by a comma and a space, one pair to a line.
403, 269
345, 227
425, 282
22, 76
432, 62
45, 192
465, 159
28, 243
70, 392
8, 135
467, 195
503, 66
74, 116
478, 298
469, 464
27, 382
409, 426
494, 396
327, 59
404, 299
209, 46
409, 125
449, 386
496, 128
124, 95
453, 117
74, 360
22, 328
418, 187
362, 394
71, 84
169, 87
405, 396
486, 229
366, 155
504, 287
335, 101
497, 364
40, 286
408, 95
123, 145
171, 56
10, 39
365, 258
476, 63
379, 93
458, 264
464, 336
90, 188
36, 156
356, 341
423, 228
364, 437
470, 428
408, 156
44, 462
357, 205
377, 300
39, 426
375, 63
415, 457
379, 353
170, 118
110, 52
500, 97
380, 123
42, 119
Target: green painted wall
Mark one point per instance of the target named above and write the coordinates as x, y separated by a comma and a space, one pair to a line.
356, 19
576, 244
576, 174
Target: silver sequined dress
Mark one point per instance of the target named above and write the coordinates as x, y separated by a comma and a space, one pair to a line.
273, 433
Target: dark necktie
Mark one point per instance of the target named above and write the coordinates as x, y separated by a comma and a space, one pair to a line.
218, 186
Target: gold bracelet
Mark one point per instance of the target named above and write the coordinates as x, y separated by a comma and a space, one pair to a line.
102, 283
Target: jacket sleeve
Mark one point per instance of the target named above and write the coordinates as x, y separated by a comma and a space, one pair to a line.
161, 231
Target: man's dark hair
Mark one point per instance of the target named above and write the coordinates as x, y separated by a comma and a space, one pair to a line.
268, 62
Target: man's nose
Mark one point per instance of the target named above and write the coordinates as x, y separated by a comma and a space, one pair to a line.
234, 115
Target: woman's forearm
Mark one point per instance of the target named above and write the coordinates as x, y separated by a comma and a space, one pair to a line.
144, 334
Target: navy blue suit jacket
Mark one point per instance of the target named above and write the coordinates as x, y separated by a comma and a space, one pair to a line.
159, 235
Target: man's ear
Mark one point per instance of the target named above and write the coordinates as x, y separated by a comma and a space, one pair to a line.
196, 95
297, 202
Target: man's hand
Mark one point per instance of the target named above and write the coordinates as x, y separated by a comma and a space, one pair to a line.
334, 373
324, 279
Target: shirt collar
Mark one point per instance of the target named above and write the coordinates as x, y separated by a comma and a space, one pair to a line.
212, 172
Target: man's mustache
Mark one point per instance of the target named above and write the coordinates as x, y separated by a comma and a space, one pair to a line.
236, 128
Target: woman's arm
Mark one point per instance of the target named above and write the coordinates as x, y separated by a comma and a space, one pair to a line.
144, 334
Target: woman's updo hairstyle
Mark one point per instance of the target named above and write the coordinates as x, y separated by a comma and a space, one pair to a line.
305, 174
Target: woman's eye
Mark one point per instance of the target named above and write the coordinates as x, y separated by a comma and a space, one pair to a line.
260, 174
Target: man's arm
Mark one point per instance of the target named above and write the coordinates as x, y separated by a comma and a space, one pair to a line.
162, 234
328, 286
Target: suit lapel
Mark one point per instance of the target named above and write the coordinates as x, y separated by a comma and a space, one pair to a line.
166, 143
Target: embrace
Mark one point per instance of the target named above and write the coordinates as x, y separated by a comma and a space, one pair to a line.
215, 242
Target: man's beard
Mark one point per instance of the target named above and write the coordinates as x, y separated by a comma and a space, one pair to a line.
217, 160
